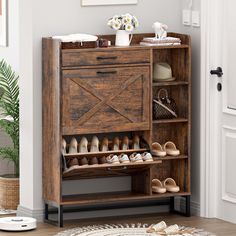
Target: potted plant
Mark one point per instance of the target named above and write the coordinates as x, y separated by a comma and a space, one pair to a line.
9, 123
124, 25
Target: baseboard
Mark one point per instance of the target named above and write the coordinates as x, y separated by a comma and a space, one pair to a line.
194, 207
37, 214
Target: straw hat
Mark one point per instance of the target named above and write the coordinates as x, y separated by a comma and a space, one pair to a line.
162, 72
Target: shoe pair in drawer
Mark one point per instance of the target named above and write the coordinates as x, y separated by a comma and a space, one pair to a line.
95, 146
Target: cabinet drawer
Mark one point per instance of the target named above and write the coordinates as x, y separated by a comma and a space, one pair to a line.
106, 100
108, 57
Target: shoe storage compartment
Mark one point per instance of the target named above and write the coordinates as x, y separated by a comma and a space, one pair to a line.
105, 99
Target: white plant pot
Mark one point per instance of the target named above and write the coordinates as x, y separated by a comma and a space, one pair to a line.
123, 38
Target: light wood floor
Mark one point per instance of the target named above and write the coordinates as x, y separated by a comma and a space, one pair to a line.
216, 226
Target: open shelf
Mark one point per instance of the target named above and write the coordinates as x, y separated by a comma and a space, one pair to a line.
101, 198
180, 157
170, 83
166, 121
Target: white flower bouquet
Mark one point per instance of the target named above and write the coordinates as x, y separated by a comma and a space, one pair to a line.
125, 22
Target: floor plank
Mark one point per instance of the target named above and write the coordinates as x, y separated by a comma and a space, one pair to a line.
219, 227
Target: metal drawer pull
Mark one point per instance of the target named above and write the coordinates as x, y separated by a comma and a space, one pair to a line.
106, 72
112, 169
106, 58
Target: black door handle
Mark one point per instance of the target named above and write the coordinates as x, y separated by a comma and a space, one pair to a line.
218, 72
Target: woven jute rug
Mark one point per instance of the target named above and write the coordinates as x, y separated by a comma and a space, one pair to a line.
127, 230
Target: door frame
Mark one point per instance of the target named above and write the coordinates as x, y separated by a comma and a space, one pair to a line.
209, 160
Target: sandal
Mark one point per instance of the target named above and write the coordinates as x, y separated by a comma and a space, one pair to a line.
170, 185
171, 149
113, 159
146, 156
157, 186
73, 146
157, 150
136, 157
123, 158
155, 228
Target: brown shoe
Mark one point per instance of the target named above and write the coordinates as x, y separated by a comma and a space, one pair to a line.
73, 146
73, 162
104, 145
93, 161
83, 161
135, 144
125, 143
102, 160
116, 144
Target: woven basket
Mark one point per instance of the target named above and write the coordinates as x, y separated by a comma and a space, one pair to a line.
9, 193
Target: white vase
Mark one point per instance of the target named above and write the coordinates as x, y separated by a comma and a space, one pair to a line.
123, 38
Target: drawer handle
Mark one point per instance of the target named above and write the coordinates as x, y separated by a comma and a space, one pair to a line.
106, 58
107, 72
121, 168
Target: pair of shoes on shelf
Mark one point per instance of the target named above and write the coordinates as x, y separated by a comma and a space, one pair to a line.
168, 185
125, 144
134, 158
82, 162
169, 148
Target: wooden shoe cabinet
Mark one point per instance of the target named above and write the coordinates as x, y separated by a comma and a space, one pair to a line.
109, 92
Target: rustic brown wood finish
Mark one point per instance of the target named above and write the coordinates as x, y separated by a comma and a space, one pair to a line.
104, 92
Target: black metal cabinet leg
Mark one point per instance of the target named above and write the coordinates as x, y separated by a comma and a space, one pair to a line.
188, 214
46, 211
172, 204
60, 216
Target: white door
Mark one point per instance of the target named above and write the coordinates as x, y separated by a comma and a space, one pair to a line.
221, 124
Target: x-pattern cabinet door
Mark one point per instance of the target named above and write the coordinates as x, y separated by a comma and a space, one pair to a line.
105, 100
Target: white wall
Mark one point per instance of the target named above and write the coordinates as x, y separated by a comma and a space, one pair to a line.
56, 17
196, 72
11, 55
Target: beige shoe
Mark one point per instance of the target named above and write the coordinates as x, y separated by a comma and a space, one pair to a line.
135, 144
116, 144
112, 159
125, 143
136, 158
123, 158
104, 145
170, 185
94, 144
171, 149
157, 150
73, 146
63, 146
83, 145
146, 156
157, 186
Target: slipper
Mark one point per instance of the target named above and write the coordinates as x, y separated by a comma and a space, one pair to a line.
94, 144
171, 149
73, 146
125, 143
136, 157
172, 230
157, 186
170, 185
146, 156
123, 158
83, 145
155, 228
113, 159
157, 150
